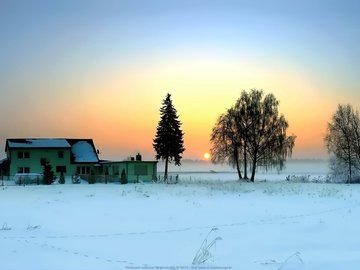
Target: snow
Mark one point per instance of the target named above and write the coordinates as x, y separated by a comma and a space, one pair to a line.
84, 152
261, 225
38, 143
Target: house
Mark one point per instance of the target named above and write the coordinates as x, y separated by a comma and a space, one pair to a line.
136, 170
72, 157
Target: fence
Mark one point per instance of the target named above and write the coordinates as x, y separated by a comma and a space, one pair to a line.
92, 179
75, 179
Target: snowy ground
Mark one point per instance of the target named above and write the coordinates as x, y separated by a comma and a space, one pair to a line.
264, 225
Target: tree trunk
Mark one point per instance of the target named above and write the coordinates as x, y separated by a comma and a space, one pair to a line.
350, 169
166, 169
236, 157
238, 169
253, 170
245, 162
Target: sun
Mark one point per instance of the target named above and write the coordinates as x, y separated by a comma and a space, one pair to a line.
206, 155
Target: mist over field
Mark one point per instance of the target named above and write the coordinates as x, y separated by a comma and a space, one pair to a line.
202, 169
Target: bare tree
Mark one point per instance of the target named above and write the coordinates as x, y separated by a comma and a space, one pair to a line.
243, 122
269, 145
343, 140
226, 141
252, 130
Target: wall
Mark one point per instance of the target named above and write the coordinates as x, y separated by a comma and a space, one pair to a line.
34, 160
136, 171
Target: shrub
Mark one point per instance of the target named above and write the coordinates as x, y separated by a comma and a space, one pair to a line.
123, 178
48, 173
91, 178
62, 178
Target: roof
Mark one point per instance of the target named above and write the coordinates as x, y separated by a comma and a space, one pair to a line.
37, 143
83, 151
126, 161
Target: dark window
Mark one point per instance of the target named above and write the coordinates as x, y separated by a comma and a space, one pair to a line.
83, 170
61, 154
60, 169
22, 155
23, 170
43, 161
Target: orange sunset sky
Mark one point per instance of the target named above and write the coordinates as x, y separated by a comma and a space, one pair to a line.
100, 69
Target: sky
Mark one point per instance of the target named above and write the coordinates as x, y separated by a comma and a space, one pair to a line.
100, 69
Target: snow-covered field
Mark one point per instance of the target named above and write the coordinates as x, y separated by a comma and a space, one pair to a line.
263, 225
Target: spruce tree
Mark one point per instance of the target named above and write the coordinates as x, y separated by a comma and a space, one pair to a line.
169, 142
48, 174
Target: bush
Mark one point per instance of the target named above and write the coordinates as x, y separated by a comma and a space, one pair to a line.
91, 178
48, 173
123, 178
62, 178
355, 180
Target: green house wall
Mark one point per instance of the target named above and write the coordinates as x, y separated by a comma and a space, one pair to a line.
34, 160
136, 171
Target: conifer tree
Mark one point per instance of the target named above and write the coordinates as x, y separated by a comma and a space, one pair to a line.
48, 174
168, 142
123, 177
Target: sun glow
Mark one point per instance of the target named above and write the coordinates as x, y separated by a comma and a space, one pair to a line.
206, 155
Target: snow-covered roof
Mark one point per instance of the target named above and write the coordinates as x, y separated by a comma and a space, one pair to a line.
84, 152
38, 143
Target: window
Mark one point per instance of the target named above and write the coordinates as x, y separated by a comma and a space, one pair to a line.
23, 170
60, 169
60, 154
22, 155
83, 170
